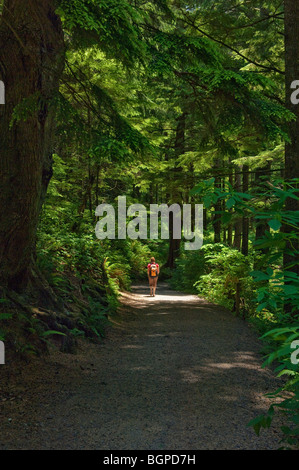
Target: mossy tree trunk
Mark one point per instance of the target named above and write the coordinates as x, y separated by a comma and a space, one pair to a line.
31, 63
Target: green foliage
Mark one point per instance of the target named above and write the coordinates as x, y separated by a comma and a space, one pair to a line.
272, 287
284, 288
110, 22
287, 396
78, 266
214, 272
189, 267
226, 267
156, 96
96, 316
3, 319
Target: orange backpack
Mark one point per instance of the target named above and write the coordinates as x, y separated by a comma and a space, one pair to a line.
153, 270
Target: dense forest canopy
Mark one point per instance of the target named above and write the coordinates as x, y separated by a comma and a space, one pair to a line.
163, 101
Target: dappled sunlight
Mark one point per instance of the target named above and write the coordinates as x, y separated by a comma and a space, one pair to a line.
172, 368
190, 377
149, 195
141, 368
162, 335
157, 335
157, 313
163, 294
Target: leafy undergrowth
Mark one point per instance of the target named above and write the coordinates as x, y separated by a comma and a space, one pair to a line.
83, 309
286, 355
80, 287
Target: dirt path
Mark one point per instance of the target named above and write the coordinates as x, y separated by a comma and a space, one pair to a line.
175, 373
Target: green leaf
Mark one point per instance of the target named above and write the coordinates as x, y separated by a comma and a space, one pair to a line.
5, 316
275, 224
289, 290
230, 203
52, 332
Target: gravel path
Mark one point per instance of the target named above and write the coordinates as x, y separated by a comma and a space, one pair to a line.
175, 373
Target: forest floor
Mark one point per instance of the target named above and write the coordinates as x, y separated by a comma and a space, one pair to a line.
174, 373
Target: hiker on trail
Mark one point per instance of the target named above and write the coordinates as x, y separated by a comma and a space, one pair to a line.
153, 271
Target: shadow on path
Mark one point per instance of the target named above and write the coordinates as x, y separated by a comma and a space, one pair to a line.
175, 373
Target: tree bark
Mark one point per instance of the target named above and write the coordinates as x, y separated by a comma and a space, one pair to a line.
238, 223
205, 219
224, 236
260, 178
217, 208
174, 245
230, 225
31, 62
291, 15
245, 220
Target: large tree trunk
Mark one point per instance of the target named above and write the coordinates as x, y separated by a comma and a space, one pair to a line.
238, 223
261, 175
31, 63
217, 206
245, 220
175, 196
230, 226
292, 149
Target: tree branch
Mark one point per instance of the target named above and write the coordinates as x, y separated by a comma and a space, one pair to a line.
265, 67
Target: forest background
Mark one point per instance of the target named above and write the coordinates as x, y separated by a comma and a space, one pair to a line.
163, 102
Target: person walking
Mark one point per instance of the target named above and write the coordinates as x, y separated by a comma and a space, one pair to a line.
153, 271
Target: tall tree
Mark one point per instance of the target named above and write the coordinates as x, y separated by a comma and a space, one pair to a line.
291, 254
217, 206
31, 63
175, 197
238, 222
32, 58
245, 220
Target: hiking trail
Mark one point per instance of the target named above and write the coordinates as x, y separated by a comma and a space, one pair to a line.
174, 373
